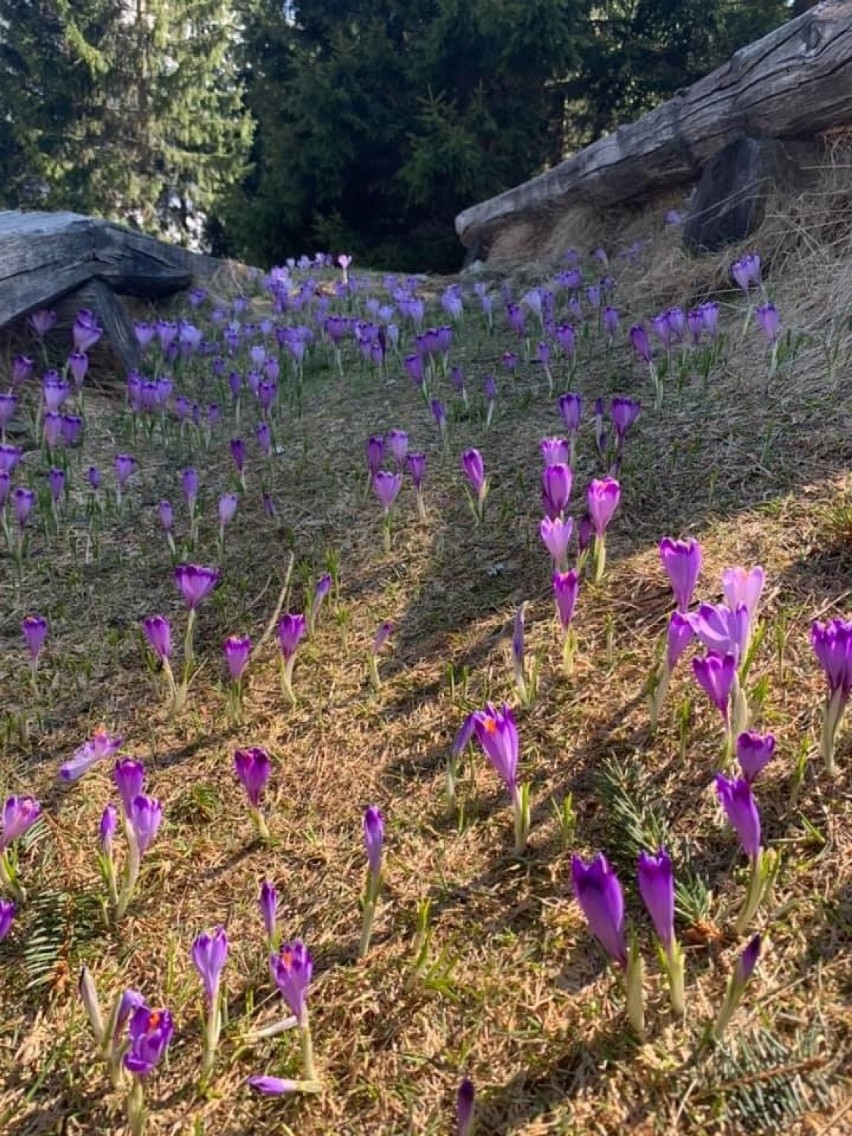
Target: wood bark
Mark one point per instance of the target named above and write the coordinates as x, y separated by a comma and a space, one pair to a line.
793, 83
44, 256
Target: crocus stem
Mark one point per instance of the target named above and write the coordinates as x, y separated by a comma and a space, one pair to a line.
187, 649
260, 823
599, 558
831, 718
8, 877
307, 1048
211, 1036
421, 507
366, 929
659, 696
568, 645
287, 680
634, 978
521, 809
674, 965
136, 1108
757, 879
375, 681
387, 533
131, 875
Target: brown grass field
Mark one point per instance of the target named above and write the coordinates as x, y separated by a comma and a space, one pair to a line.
515, 992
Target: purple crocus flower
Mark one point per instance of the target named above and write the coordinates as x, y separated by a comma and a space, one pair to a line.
640, 343
107, 828
129, 779
150, 1033
566, 585
19, 815
8, 405
554, 451
238, 453
740, 807
768, 321
710, 317
195, 583
189, 484
51, 428
397, 443
746, 271
603, 496
144, 818
374, 836
78, 365
682, 562
571, 409
416, 465
291, 970
264, 438
386, 486
158, 632
748, 961
721, 630
166, 515
55, 483
71, 429
9, 457
98, 747
498, 735
465, 1108
252, 766
42, 322
237, 649
268, 902
209, 955
624, 412
227, 508
556, 534
124, 467
86, 330
695, 323
34, 628
375, 454
656, 886
474, 469
555, 489
7, 916
272, 1086
599, 894
22, 368
678, 637
290, 631
754, 752
93, 476
22, 500
716, 675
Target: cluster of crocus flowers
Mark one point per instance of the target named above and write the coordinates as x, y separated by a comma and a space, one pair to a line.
19, 815
374, 838
497, 733
291, 630
142, 816
832, 645
252, 767
474, 471
209, 955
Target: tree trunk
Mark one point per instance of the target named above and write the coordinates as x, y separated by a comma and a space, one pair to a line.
793, 83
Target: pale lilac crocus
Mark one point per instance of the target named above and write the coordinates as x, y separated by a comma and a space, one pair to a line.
209, 954
554, 451
744, 586
291, 629
374, 836
566, 586
556, 481
832, 645
101, 745
18, 817
556, 534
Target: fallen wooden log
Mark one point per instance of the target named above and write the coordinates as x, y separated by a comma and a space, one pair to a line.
45, 257
793, 83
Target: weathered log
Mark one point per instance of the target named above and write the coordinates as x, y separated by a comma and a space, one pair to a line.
793, 83
44, 256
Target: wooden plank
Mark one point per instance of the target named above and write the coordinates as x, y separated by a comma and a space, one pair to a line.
793, 83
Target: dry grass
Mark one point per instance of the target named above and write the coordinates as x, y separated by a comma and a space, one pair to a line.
517, 995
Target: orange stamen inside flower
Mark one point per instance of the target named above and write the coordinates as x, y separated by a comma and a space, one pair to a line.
490, 726
153, 1022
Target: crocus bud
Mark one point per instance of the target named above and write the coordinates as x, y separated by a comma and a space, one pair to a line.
737, 985
89, 998
599, 894
465, 1108
754, 751
129, 779
269, 908
109, 822
7, 917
